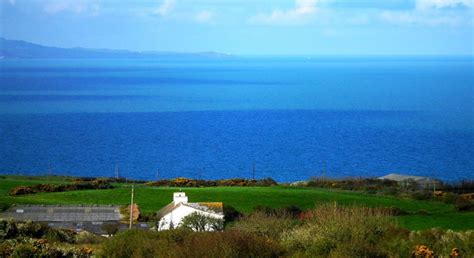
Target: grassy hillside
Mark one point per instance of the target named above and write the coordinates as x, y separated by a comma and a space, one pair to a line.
245, 198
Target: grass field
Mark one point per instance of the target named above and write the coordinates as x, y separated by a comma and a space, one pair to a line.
151, 199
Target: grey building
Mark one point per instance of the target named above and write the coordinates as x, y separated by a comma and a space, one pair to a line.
79, 217
405, 180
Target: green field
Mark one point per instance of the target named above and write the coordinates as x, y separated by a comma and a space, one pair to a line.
151, 199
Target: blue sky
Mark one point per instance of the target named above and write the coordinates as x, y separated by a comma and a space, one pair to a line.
250, 27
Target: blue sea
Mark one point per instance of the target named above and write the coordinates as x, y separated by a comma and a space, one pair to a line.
291, 117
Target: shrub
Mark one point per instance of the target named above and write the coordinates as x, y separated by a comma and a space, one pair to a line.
464, 205
442, 242
110, 228
179, 243
85, 237
8, 229
49, 188
60, 235
231, 214
185, 182
341, 231
32, 229
199, 222
422, 195
230, 243
264, 224
148, 217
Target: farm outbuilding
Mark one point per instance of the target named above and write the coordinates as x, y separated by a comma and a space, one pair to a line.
78, 217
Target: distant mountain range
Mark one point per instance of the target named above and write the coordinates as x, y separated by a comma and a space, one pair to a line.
16, 49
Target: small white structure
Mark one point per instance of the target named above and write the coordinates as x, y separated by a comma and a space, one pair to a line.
172, 214
405, 180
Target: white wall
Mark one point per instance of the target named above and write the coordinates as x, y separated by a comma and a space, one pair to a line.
176, 216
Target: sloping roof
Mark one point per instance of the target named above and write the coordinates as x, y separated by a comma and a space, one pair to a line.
216, 207
167, 209
210, 207
58, 213
400, 178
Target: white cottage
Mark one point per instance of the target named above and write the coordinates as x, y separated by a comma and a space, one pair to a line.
172, 214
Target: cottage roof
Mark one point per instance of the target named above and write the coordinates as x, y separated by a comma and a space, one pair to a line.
210, 207
215, 207
60, 213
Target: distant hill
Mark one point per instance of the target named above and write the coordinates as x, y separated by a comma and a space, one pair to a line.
16, 49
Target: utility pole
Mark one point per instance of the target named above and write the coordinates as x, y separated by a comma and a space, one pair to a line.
324, 169
116, 171
200, 173
131, 207
49, 172
157, 175
253, 171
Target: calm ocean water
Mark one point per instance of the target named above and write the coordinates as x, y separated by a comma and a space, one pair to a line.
214, 119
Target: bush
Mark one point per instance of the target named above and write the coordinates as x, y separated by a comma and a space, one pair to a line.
264, 224
111, 228
442, 242
85, 237
148, 217
231, 214
185, 182
199, 222
464, 205
8, 229
341, 231
31, 229
422, 195
230, 243
179, 243
49, 188
60, 235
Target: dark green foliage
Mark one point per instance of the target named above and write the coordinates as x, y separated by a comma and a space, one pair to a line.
230, 213
148, 217
199, 222
179, 243
341, 232
185, 182
360, 184
30, 239
464, 206
265, 224
32, 229
111, 228
283, 212
49, 188
8, 229
422, 195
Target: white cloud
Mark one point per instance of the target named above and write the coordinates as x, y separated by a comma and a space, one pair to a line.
438, 4
90, 7
204, 16
299, 14
431, 13
165, 8
422, 18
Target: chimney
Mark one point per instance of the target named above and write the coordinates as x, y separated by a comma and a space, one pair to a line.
179, 197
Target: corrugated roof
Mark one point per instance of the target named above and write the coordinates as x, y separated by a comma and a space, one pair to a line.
50, 213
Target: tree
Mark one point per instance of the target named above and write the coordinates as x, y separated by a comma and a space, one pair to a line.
110, 228
199, 222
